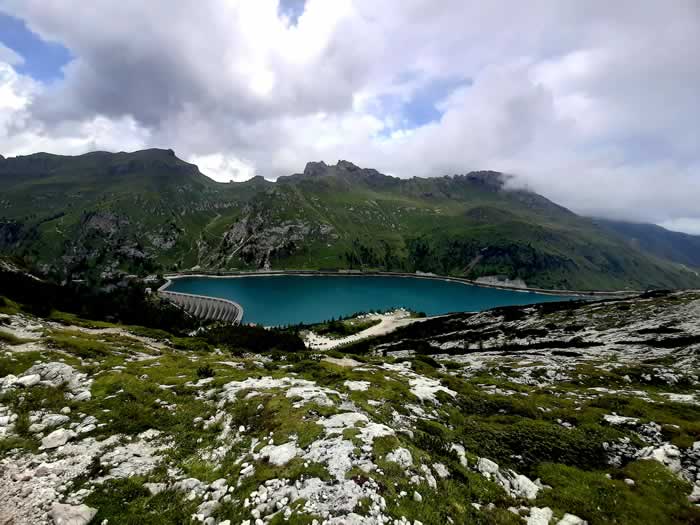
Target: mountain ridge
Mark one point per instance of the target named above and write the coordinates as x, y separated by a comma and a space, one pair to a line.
683, 248
103, 213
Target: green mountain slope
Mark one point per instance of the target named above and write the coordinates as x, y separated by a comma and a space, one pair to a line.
148, 211
675, 246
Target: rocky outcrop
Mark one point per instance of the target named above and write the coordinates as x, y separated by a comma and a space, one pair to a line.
57, 438
53, 374
513, 483
258, 237
71, 514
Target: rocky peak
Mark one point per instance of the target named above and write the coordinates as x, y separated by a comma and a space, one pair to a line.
347, 166
342, 167
315, 168
493, 180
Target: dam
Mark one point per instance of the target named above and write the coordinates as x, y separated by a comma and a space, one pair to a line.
206, 308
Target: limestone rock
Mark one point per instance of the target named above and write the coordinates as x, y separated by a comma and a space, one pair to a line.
57, 438
461, 453
515, 484
402, 456
281, 454
155, 488
571, 519
695, 495
7, 382
441, 470
57, 374
357, 385
524, 487
666, 454
28, 380
539, 516
62, 514
486, 466
83, 395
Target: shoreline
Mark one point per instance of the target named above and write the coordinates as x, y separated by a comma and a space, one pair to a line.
389, 321
350, 273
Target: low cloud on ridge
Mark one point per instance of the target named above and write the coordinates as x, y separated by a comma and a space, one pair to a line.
592, 104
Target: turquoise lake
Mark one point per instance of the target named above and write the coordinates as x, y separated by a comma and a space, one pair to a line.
291, 299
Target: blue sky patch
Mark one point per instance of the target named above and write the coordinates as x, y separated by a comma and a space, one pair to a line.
422, 108
292, 9
42, 60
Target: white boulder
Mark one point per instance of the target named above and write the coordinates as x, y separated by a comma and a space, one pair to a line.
487, 467
539, 516
28, 380
357, 385
666, 454
62, 514
57, 438
571, 519
695, 495
280, 455
402, 456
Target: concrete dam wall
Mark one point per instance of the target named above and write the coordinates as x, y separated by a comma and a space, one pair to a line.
207, 308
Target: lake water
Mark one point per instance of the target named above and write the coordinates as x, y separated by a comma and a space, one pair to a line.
291, 299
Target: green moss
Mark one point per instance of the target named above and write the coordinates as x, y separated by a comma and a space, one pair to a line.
126, 501
11, 339
345, 327
657, 497
18, 443
452, 499
191, 344
36, 398
8, 307
74, 320
680, 421
19, 362
535, 442
79, 344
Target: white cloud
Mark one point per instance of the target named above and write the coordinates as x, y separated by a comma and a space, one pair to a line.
683, 224
10, 56
223, 168
592, 104
21, 135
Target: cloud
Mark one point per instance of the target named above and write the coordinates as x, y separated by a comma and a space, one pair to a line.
223, 168
683, 224
20, 134
592, 104
10, 56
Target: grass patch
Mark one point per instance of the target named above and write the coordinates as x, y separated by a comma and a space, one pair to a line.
126, 501
79, 344
12, 339
345, 327
658, 497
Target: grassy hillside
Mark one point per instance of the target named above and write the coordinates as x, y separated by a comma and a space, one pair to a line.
102, 213
675, 246
565, 413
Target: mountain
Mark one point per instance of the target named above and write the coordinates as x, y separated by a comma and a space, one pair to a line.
148, 211
674, 246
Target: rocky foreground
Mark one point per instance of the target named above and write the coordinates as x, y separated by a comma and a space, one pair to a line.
552, 414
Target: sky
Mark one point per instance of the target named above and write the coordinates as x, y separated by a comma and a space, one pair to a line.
594, 104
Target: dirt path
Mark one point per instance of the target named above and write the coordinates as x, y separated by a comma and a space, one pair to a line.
388, 323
